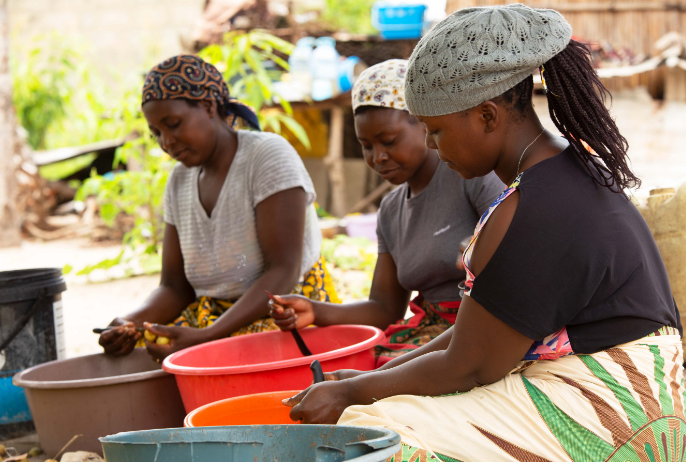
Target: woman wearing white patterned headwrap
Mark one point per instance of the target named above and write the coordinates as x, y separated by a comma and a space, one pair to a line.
420, 225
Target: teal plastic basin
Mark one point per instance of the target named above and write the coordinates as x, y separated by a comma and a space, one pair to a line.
285, 443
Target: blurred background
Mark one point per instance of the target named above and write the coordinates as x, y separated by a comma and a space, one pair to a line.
81, 180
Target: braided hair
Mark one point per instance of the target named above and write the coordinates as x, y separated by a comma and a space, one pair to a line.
576, 101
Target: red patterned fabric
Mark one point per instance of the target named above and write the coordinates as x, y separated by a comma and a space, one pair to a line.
429, 321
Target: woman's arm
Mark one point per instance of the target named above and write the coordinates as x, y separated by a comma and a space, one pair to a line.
387, 303
280, 221
163, 305
482, 350
174, 293
280, 229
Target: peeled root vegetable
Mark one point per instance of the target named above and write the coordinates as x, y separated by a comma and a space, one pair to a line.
162, 340
149, 336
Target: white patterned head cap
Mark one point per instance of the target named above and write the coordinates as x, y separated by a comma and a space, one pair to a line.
381, 85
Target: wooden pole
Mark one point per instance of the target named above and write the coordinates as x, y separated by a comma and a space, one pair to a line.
334, 162
9, 220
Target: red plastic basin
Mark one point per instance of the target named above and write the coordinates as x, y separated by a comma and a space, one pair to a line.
268, 361
259, 409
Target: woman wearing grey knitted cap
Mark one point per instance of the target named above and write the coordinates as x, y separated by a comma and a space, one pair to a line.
567, 345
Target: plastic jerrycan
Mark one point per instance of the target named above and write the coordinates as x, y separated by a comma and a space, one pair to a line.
299, 63
325, 60
665, 213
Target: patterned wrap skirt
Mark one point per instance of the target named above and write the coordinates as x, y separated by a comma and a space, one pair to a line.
429, 321
315, 285
622, 404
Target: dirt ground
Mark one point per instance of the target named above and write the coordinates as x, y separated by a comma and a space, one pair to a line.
657, 138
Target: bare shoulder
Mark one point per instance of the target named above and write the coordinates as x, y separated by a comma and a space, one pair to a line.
493, 233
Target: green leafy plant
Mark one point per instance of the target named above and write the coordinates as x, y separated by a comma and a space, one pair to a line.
65, 168
42, 78
353, 16
350, 253
352, 261
135, 192
241, 58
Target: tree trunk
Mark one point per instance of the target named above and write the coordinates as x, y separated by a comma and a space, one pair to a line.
9, 220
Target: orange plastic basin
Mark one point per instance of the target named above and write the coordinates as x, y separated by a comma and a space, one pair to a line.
258, 409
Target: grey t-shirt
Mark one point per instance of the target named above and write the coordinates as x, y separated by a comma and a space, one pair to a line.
221, 254
423, 233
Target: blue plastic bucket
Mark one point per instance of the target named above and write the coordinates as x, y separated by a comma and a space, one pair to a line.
396, 22
31, 333
301, 443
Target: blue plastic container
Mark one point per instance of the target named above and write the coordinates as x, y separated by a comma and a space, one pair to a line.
285, 443
346, 73
396, 22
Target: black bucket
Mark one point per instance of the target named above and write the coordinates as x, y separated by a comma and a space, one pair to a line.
31, 333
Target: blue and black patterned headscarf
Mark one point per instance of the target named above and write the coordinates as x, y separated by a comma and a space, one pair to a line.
189, 77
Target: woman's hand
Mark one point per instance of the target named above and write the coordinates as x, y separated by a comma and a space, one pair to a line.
121, 340
179, 339
292, 312
322, 403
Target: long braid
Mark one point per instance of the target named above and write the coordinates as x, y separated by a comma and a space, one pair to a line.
576, 100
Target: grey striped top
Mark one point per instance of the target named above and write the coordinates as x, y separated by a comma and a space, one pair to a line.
221, 253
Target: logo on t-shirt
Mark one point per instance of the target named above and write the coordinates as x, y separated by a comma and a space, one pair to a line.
442, 230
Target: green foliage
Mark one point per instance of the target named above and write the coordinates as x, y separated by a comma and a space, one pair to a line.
61, 99
350, 253
93, 112
42, 78
136, 192
65, 168
241, 59
352, 261
353, 16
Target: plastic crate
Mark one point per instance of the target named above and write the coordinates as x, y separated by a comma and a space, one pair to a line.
396, 22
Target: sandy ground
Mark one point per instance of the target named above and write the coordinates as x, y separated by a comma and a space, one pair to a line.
656, 133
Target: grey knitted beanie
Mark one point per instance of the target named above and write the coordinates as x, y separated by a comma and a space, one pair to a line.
476, 54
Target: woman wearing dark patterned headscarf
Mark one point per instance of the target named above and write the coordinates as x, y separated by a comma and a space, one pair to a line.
239, 217
189, 77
